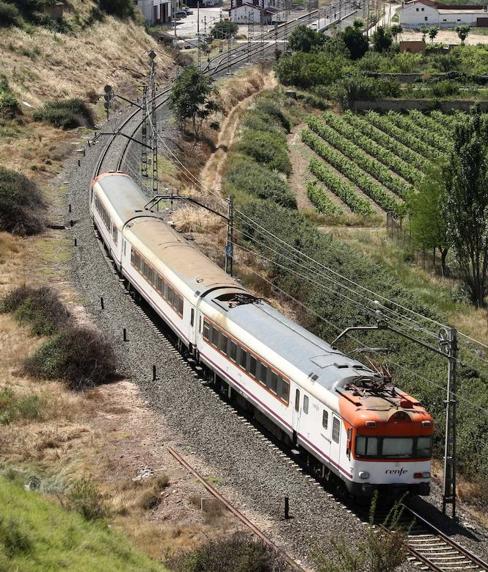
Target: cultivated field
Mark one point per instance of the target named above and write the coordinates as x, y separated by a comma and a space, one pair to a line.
371, 162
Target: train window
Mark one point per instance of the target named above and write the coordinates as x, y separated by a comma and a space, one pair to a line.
242, 358
223, 343
336, 427
115, 234
262, 373
232, 349
367, 446
192, 317
297, 400
206, 330
252, 365
305, 403
397, 447
424, 447
283, 389
325, 419
273, 381
215, 337
179, 305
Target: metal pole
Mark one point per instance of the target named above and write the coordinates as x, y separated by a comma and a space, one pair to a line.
144, 133
449, 340
198, 35
154, 123
229, 247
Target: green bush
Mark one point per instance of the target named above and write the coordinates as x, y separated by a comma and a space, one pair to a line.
304, 39
243, 174
240, 553
306, 70
13, 538
67, 114
21, 204
224, 29
117, 8
265, 148
9, 15
39, 307
14, 406
79, 356
85, 498
9, 106
445, 88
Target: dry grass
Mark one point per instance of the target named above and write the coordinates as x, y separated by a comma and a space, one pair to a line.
194, 219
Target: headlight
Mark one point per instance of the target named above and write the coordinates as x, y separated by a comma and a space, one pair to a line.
363, 475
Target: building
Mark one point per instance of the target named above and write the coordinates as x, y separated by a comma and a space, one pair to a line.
156, 11
418, 13
257, 11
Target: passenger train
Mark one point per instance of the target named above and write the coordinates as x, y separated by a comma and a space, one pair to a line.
340, 413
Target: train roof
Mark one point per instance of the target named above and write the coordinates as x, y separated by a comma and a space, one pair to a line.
324, 365
124, 195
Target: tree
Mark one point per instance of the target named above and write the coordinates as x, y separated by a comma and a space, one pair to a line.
118, 8
224, 29
433, 31
462, 32
395, 30
428, 225
304, 39
191, 96
382, 39
355, 41
425, 31
466, 204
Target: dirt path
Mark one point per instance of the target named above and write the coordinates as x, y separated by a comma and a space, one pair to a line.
300, 156
211, 175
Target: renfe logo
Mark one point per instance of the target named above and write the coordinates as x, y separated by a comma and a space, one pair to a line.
398, 472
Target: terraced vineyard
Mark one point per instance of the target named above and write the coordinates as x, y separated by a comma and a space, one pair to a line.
373, 159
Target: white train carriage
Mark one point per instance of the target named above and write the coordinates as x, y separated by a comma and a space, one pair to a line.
369, 434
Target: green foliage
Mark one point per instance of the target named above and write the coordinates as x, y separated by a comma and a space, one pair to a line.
41, 308
355, 41
67, 114
85, 498
310, 69
357, 87
224, 29
349, 169
14, 406
433, 31
79, 356
36, 534
266, 148
9, 106
304, 39
340, 187
428, 228
414, 123
243, 174
382, 39
446, 88
466, 204
242, 552
9, 16
191, 96
462, 32
118, 8
318, 197
402, 62
21, 204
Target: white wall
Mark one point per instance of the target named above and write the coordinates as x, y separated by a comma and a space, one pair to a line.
417, 15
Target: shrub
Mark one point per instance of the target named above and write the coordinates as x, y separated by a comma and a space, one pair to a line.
240, 553
13, 406
20, 204
224, 29
39, 307
13, 539
118, 8
445, 88
85, 498
304, 39
67, 114
308, 70
265, 148
79, 356
9, 15
245, 175
152, 497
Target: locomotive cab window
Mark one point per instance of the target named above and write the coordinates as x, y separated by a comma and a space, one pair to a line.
336, 427
305, 403
424, 447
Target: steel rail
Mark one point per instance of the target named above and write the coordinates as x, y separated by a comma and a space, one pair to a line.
438, 533
235, 511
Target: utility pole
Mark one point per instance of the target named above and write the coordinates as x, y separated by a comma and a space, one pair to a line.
154, 123
144, 132
198, 36
448, 342
229, 247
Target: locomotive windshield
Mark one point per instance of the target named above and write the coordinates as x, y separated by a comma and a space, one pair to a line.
394, 447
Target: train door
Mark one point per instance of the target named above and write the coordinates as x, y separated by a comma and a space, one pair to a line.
335, 443
297, 409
